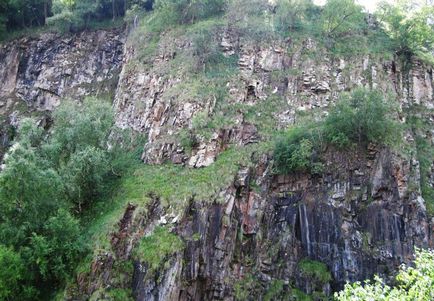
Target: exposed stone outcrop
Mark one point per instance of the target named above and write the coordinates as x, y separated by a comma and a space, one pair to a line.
362, 215
41, 70
149, 102
35, 73
359, 217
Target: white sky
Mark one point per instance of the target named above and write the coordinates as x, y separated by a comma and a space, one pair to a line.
370, 5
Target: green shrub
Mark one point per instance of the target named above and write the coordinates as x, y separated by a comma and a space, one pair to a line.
84, 174
245, 287
274, 291
11, 272
295, 151
249, 19
292, 16
58, 249
361, 117
315, 270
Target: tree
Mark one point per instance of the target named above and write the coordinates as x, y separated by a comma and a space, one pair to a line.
83, 175
58, 247
292, 15
413, 283
77, 126
30, 193
341, 19
11, 272
188, 11
46, 175
410, 25
361, 117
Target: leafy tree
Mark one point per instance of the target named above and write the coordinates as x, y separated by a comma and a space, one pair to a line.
341, 17
413, 283
292, 15
188, 11
77, 126
84, 175
29, 193
11, 272
410, 25
246, 18
45, 176
361, 117
59, 247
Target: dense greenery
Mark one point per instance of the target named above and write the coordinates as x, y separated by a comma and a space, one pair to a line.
410, 27
359, 118
53, 182
297, 150
413, 283
341, 26
46, 182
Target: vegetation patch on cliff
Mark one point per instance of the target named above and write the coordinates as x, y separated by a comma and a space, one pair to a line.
156, 247
359, 118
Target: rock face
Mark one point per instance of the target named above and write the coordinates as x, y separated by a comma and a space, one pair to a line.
41, 71
35, 73
363, 215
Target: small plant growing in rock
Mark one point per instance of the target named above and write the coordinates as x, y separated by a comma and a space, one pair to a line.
155, 248
315, 270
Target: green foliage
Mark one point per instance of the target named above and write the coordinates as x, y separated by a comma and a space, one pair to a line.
274, 291
10, 274
245, 287
46, 175
119, 294
315, 270
361, 117
77, 126
58, 249
292, 16
187, 11
84, 174
206, 48
341, 20
413, 283
425, 153
295, 151
409, 24
29, 193
157, 247
248, 18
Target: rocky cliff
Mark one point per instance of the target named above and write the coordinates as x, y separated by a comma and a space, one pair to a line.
260, 233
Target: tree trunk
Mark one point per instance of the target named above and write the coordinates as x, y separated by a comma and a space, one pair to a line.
113, 9
45, 11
